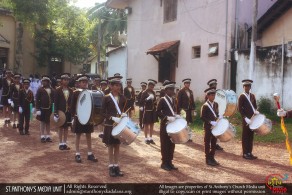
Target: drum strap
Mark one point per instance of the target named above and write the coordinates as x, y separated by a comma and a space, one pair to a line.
116, 103
170, 108
249, 102
211, 109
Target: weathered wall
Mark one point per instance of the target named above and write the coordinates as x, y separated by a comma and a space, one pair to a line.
8, 30
267, 74
117, 63
196, 24
278, 31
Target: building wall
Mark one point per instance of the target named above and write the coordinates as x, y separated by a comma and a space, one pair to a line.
117, 63
278, 31
267, 75
196, 25
8, 30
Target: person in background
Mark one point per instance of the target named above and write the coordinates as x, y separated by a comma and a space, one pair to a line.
15, 89
78, 128
129, 93
63, 99
209, 115
26, 107
143, 88
148, 103
44, 103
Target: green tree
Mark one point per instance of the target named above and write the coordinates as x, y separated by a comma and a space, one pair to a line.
60, 30
107, 23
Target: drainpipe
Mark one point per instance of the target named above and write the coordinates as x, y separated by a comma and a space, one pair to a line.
236, 24
226, 69
282, 73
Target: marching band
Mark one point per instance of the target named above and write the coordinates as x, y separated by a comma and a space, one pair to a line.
59, 105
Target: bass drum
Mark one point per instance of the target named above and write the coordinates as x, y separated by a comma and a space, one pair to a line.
88, 107
227, 101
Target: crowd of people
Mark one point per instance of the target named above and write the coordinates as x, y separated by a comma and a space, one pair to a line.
46, 96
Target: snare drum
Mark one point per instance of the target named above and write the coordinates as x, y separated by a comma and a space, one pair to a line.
126, 131
260, 124
89, 105
224, 131
227, 101
178, 131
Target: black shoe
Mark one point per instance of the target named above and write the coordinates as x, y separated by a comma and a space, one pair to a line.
65, 147
48, 139
152, 142
112, 172
5, 122
17, 126
190, 140
173, 167
210, 162
100, 135
118, 172
43, 140
216, 162
165, 167
61, 147
218, 147
14, 126
253, 157
247, 156
78, 158
92, 158
147, 141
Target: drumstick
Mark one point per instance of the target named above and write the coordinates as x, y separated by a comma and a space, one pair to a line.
277, 98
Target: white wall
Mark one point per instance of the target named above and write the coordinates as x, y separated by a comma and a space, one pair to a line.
196, 25
117, 63
267, 77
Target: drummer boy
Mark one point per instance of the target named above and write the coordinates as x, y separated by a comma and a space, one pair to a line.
78, 128
247, 107
165, 111
209, 115
112, 108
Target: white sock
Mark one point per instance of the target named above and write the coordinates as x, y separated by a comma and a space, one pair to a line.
110, 165
146, 138
77, 153
60, 144
89, 153
47, 136
116, 165
149, 138
43, 136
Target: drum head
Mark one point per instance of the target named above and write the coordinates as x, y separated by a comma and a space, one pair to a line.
220, 98
221, 127
257, 121
176, 125
119, 128
84, 107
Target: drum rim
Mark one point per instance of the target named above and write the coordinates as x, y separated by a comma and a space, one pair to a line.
179, 119
87, 91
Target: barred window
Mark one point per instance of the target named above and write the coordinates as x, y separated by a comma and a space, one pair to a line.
170, 10
196, 52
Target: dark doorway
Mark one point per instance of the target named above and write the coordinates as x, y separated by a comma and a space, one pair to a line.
166, 69
56, 66
3, 57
